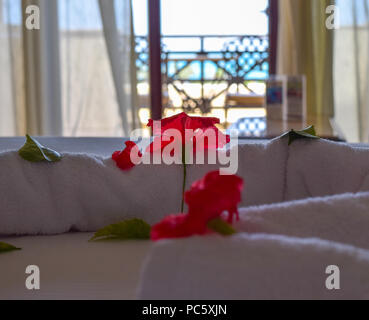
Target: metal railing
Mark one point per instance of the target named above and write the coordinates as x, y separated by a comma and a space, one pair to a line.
207, 60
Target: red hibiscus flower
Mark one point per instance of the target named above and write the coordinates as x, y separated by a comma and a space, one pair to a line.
123, 158
215, 194
183, 122
177, 226
207, 199
202, 134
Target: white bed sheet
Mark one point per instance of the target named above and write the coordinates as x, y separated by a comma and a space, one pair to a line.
73, 268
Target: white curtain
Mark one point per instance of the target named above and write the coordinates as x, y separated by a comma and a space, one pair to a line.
118, 42
73, 77
42, 69
97, 91
351, 70
11, 65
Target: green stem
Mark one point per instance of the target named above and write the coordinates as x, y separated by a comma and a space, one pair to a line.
184, 176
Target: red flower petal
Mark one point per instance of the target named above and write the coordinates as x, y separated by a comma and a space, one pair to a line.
123, 158
215, 194
220, 139
181, 122
177, 226
174, 122
158, 144
200, 122
207, 199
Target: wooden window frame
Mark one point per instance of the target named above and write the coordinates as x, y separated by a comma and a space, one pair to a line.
155, 58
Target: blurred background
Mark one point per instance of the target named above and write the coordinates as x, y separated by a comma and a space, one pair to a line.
104, 67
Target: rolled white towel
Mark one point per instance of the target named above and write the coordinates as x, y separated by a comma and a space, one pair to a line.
341, 218
83, 193
320, 167
86, 192
252, 267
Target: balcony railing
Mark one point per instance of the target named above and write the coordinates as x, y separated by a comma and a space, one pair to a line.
198, 70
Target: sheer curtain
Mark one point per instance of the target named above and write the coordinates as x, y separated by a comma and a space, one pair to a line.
117, 24
351, 70
12, 117
73, 77
42, 70
98, 89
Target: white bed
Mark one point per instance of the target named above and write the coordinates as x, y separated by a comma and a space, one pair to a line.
73, 268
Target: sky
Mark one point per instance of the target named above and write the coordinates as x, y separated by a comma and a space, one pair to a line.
178, 16
206, 17
185, 16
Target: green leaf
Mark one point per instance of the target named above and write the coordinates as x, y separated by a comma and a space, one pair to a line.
5, 247
33, 151
307, 133
220, 226
127, 229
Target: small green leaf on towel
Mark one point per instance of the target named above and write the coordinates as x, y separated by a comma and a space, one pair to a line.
33, 151
5, 247
220, 226
308, 133
125, 230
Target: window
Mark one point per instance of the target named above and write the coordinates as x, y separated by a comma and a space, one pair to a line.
211, 50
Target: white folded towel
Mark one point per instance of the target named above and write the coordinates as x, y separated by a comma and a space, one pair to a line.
86, 192
321, 167
82, 193
286, 258
340, 218
252, 267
